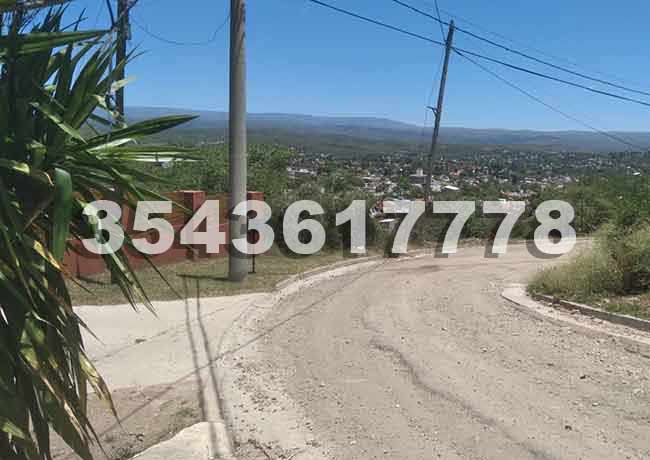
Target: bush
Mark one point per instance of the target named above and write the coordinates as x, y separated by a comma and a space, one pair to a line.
336, 237
57, 153
590, 273
630, 251
618, 264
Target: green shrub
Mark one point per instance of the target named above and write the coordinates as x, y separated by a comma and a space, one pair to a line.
630, 251
58, 152
619, 263
590, 273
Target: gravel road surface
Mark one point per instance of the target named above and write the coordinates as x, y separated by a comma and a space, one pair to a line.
421, 359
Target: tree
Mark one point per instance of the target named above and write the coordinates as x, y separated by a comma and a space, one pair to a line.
61, 147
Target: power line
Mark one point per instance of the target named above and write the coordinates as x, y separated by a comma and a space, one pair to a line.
428, 102
520, 42
378, 23
520, 53
111, 13
431, 91
549, 106
552, 78
496, 61
100, 10
180, 43
130, 5
442, 31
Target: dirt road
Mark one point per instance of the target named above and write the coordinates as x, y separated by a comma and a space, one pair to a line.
423, 359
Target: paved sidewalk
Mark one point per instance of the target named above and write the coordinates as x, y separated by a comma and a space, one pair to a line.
177, 346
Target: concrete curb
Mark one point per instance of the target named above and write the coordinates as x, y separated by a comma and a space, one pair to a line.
346, 263
206, 440
326, 268
625, 320
408, 256
632, 341
213, 440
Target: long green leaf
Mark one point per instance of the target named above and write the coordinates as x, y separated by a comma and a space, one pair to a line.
61, 213
49, 112
144, 128
38, 42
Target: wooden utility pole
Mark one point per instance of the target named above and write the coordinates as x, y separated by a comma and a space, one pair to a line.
438, 114
122, 39
238, 262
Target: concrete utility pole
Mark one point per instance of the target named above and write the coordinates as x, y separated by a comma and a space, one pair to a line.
122, 39
238, 262
438, 113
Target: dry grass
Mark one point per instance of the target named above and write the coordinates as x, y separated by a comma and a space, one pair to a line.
633, 305
590, 273
614, 275
213, 274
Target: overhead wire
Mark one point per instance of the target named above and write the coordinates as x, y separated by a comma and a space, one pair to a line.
433, 85
442, 31
111, 13
519, 53
158, 37
100, 10
530, 47
376, 22
464, 54
551, 107
481, 56
553, 78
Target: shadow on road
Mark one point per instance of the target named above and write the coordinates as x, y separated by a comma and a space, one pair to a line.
201, 385
210, 365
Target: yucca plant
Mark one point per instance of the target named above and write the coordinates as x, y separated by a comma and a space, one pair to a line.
61, 147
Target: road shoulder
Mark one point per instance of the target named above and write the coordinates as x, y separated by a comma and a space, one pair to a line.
634, 341
261, 416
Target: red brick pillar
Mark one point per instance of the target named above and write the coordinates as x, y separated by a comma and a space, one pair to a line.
193, 200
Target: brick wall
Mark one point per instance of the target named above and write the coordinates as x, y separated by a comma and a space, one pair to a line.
81, 263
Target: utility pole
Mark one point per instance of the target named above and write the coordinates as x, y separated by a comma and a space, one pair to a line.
122, 39
238, 262
438, 114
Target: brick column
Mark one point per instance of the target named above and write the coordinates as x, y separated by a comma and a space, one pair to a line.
193, 200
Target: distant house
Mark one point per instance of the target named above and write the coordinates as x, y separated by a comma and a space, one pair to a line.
300, 173
164, 160
419, 179
393, 208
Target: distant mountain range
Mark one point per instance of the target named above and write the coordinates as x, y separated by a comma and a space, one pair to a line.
349, 135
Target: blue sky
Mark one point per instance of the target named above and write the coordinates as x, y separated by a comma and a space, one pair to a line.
306, 59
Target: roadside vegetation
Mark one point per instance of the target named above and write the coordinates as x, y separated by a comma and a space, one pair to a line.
334, 189
202, 278
597, 200
61, 147
615, 273
612, 209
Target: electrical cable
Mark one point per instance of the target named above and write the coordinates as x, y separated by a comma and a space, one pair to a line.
379, 23
523, 44
111, 14
442, 31
100, 10
549, 106
520, 53
494, 60
433, 86
552, 78
180, 43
